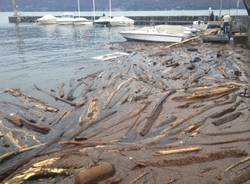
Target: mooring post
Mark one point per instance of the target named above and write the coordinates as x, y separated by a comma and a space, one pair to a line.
14, 7
16, 15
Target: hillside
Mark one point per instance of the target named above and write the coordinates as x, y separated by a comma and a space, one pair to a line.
71, 5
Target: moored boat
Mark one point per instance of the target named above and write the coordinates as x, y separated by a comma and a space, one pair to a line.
47, 19
66, 19
103, 21
161, 33
81, 21
121, 21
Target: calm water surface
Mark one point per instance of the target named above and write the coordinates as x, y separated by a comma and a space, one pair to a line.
47, 55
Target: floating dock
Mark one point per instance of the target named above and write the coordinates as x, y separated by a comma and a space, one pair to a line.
139, 20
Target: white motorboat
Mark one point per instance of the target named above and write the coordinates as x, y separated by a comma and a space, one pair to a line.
161, 33
121, 21
103, 21
112, 21
66, 19
81, 21
47, 19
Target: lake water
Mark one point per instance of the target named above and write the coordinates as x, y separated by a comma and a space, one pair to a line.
47, 55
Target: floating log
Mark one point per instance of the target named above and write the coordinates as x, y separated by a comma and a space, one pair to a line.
64, 114
239, 178
226, 111
155, 113
227, 119
179, 151
227, 133
119, 87
182, 42
92, 123
61, 90
70, 95
95, 174
15, 120
235, 153
215, 91
38, 170
128, 117
33, 101
135, 180
238, 163
92, 75
11, 154
53, 96
226, 142
92, 112
15, 104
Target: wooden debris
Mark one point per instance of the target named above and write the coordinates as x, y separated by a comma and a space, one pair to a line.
15, 104
11, 154
179, 150
182, 42
226, 142
215, 91
53, 96
135, 180
38, 170
227, 119
20, 121
155, 113
14, 119
196, 159
237, 164
92, 123
61, 90
35, 127
95, 174
239, 178
33, 101
61, 117
92, 112
11, 137
119, 87
85, 143
227, 133
226, 111
70, 95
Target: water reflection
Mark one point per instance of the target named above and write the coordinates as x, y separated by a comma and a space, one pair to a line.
19, 42
44, 55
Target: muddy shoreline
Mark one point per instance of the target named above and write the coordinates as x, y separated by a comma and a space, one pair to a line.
176, 115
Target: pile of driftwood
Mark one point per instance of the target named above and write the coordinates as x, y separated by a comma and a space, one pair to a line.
131, 123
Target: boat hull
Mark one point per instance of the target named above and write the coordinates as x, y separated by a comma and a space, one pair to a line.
151, 37
114, 24
46, 22
82, 23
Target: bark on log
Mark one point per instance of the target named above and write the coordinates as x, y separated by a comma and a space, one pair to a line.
95, 174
